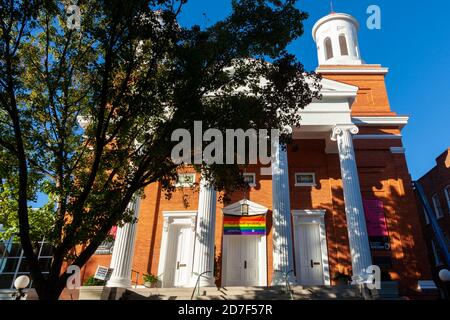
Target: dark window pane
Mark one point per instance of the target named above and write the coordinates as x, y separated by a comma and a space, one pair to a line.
343, 45
45, 264
328, 49
46, 250
6, 281
8, 265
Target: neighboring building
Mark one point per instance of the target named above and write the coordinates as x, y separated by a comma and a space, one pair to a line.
436, 185
345, 169
13, 261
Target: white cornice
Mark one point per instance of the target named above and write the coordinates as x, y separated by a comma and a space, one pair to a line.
352, 70
399, 121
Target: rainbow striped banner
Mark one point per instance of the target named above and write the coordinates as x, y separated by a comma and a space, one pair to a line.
244, 225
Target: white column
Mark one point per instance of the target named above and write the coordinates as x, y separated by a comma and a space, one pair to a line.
281, 216
204, 235
356, 221
123, 252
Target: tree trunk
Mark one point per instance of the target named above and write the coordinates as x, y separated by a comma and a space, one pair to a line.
50, 290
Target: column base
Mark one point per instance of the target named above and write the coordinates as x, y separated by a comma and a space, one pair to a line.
117, 282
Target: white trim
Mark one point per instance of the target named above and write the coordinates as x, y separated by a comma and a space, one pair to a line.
297, 184
186, 185
262, 259
398, 150
437, 206
377, 136
378, 121
254, 178
316, 217
171, 217
437, 258
254, 209
381, 70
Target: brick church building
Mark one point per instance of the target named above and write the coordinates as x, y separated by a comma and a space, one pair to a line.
338, 201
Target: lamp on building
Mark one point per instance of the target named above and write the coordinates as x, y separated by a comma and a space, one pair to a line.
244, 208
444, 275
21, 283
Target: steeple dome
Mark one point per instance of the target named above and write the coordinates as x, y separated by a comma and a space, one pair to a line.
336, 37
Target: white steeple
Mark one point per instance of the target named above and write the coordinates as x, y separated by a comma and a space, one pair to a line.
336, 37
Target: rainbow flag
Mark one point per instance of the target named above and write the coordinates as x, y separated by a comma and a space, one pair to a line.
244, 225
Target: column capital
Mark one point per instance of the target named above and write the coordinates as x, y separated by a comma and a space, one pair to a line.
340, 128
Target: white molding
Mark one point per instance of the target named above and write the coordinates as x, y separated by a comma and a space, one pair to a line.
171, 217
309, 213
381, 70
315, 217
377, 137
254, 208
187, 213
400, 150
313, 184
400, 121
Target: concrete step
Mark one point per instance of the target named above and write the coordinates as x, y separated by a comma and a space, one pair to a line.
247, 293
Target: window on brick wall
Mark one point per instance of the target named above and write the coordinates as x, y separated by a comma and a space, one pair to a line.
250, 179
437, 206
447, 196
185, 180
305, 179
436, 253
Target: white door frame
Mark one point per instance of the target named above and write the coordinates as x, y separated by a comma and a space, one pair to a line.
314, 217
262, 259
175, 217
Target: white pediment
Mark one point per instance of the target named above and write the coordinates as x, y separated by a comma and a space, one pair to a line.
253, 210
336, 86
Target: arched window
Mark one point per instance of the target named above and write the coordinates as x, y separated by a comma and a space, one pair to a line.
343, 45
328, 49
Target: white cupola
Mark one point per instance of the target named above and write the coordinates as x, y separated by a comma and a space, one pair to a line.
336, 37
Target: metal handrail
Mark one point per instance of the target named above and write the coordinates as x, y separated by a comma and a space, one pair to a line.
137, 277
197, 284
287, 283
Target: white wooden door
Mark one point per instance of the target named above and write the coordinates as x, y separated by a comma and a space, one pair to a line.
308, 254
183, 255
242, 261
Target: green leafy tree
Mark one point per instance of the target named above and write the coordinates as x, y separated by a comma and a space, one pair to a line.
88, 113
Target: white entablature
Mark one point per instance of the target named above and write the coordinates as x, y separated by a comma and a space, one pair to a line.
333, 108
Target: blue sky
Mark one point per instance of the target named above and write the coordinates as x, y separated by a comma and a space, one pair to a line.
413, 43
